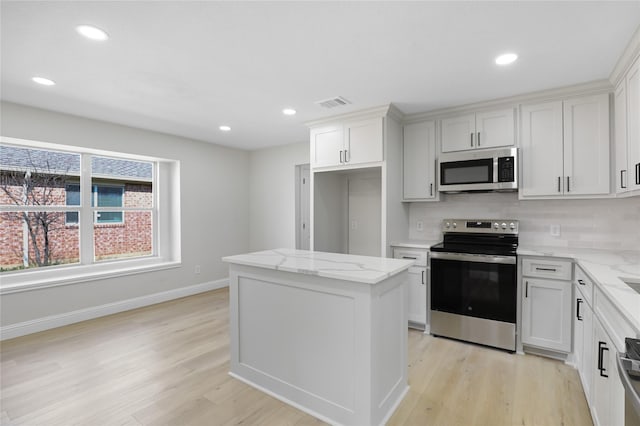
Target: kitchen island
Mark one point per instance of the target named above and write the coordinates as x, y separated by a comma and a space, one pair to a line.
324, 332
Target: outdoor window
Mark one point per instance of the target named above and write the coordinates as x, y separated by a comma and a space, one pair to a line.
53, 214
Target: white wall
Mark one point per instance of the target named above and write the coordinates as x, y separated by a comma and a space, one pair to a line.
600, 223
214, 209
272, 218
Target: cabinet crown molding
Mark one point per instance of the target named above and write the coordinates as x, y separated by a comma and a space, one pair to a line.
629, 55
380, 111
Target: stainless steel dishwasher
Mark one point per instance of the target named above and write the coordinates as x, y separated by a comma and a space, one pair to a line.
629, 371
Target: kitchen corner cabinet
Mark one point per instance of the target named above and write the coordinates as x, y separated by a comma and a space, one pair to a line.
627, 131
478, 130
583, 328
348, 143
419, 162
418, 285
565, 147
546, 303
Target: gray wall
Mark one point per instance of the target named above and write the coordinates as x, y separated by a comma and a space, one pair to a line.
214, 209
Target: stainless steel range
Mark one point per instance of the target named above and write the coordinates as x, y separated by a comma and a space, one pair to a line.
474, 282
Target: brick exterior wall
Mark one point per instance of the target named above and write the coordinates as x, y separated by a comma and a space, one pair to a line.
131, 238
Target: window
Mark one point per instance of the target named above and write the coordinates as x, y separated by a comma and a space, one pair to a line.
52, 214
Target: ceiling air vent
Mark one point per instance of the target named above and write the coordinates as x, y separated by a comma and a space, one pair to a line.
333, 102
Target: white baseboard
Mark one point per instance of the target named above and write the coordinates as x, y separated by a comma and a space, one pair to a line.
54, 321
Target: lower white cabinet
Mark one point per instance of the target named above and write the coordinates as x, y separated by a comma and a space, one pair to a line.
546, 306
583, 338
607, 398
418, 285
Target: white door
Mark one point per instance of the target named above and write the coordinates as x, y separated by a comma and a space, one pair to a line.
541, 149
586, 145
364, 216
621, 176
458, 133
419, 161
303, 231
546, 314
364, 141
327, 146
495, 128
633, 125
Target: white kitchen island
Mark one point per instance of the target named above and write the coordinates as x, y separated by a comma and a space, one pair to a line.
324, 332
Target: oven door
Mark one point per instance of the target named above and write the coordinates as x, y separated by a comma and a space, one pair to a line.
481, 286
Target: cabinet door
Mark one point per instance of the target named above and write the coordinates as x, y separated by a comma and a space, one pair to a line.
495, 128
582, 339
586, 145
458, 133
541, 149
633, 125
621, 175
419, 162
546, 314
418, 295
364, 141
327, 146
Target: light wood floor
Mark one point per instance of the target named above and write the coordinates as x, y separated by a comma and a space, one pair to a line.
167, 365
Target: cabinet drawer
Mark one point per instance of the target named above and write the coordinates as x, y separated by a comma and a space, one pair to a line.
405, 253
585, 284
546, 268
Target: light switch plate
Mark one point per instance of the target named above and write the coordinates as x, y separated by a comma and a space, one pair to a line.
420, 225
554, 230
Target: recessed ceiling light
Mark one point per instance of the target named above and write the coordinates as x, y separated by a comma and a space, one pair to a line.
224, 128
289, 111
43, 81
92, 32
506, 59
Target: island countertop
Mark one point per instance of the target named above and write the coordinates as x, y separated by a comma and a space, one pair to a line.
348, 267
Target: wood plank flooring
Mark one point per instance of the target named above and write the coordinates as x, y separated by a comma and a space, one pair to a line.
167, 364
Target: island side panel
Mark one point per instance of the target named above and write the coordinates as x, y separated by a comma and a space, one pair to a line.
305, 340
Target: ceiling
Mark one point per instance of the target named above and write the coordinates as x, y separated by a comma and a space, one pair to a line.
185, 68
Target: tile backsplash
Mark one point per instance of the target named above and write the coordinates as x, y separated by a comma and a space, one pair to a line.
599, 223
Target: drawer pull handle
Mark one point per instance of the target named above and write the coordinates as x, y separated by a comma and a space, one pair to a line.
602, 346
581, 282
409, 257
423, 274
578, 303
546, 269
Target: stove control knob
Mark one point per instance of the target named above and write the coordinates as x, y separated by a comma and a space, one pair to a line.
496, 226
504, 225
447, 225
512, 226
455, 225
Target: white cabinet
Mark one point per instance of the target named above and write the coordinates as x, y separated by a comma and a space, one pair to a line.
627, 131
419, 162
565, 147
478, 130
546, 308
607, 399
583, 329
347, 143
418, 285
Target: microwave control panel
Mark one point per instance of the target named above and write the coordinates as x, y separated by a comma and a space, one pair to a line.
506, 169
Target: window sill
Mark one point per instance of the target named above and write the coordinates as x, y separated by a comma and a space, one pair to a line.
39, 279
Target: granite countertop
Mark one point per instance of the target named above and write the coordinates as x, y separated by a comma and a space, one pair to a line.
420, 244
609, 269
348, 267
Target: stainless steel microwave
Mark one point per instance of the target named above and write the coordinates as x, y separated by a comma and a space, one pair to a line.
482, 170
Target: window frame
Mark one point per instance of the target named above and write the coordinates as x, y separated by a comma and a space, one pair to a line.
165, 219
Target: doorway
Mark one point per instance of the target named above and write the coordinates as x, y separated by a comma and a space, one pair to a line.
303, 233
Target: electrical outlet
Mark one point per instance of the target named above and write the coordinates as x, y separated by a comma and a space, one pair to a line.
354, 225
197, 270
420, 225
554, 230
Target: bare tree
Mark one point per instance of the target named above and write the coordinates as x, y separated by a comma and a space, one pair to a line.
38, 184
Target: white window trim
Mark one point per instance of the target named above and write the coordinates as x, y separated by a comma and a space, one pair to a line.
165, 217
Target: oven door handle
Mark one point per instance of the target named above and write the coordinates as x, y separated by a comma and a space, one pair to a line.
468, 257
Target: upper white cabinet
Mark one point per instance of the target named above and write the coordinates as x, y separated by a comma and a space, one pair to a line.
419, 162
627, 131
478, 130
565, 147
347, 143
